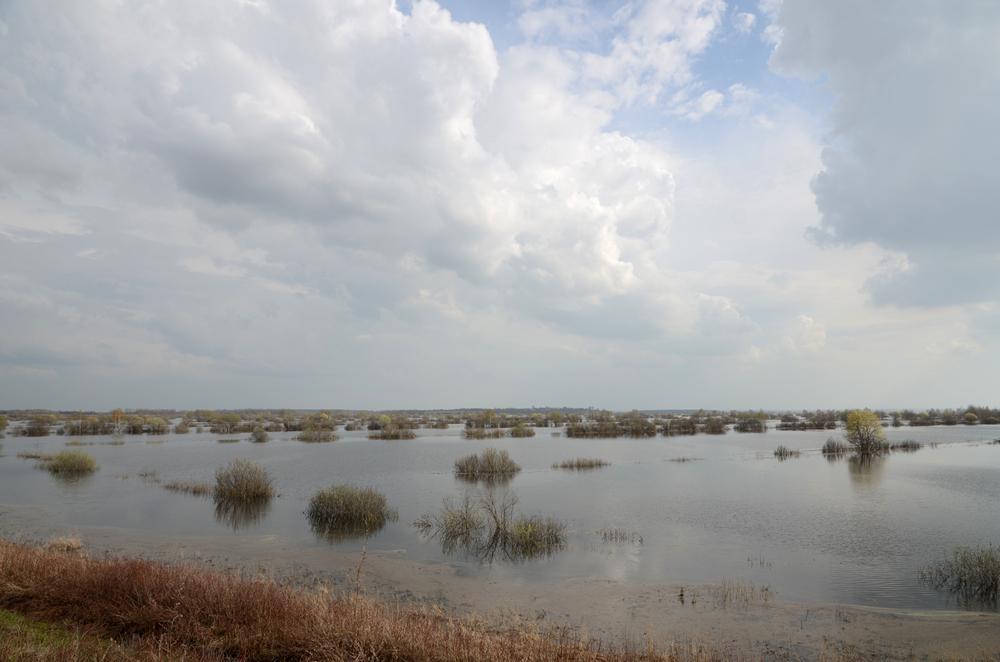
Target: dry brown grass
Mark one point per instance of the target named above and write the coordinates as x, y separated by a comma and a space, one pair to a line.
163, 610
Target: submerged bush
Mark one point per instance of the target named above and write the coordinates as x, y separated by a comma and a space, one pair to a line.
972, 574
491, 464
345, 510
485, 525
783, 453
834, 447
259, 436
71, 462
243, 480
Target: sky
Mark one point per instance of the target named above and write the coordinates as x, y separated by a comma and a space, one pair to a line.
361, 204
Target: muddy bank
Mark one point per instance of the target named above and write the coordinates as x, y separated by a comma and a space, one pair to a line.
598, 607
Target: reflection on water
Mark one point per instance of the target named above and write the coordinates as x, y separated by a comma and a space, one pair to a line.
334, 533
866, 470
239, 514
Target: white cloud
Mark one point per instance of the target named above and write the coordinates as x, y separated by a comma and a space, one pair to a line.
913, 144
744, 22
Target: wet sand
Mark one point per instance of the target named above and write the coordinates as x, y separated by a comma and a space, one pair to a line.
610, 610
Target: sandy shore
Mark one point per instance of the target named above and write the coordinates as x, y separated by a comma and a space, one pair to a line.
608, 609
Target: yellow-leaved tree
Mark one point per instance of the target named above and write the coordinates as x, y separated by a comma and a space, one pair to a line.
864, 433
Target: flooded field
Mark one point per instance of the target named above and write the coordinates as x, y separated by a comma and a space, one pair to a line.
691, 510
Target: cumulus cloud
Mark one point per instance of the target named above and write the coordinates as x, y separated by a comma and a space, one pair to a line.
913, 148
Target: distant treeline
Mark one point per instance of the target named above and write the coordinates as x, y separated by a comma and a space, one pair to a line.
477, 423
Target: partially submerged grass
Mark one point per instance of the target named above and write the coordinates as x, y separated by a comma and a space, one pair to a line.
905, 446
581, 463
484, 524
34, 455
74, 463
621, 535
228, 441
198, 489
344, 511
242, 480
64, 545
832, 447
972, 574
683, 459
784, 453
490, 465
741, 593
483, 433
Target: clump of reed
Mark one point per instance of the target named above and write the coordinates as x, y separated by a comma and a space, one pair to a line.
75, 463
581, 463
972, 574
741, 593
490, 465
341, 511
620, 536
832, 447
485, 525
311, 436
243, 480
64, 545
197, 489
784, 453
521, 430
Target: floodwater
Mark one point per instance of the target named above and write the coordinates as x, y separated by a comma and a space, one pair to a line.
813, 530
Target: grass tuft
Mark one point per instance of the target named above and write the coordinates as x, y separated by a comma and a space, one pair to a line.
784, 453
242, 480
198, 489
64, 545
621, 536
344, 511
741, 593
490, 465
581, 463
71, 463
972, 574
33, 455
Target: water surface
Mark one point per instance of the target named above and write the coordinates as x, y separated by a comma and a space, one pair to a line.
813, 530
